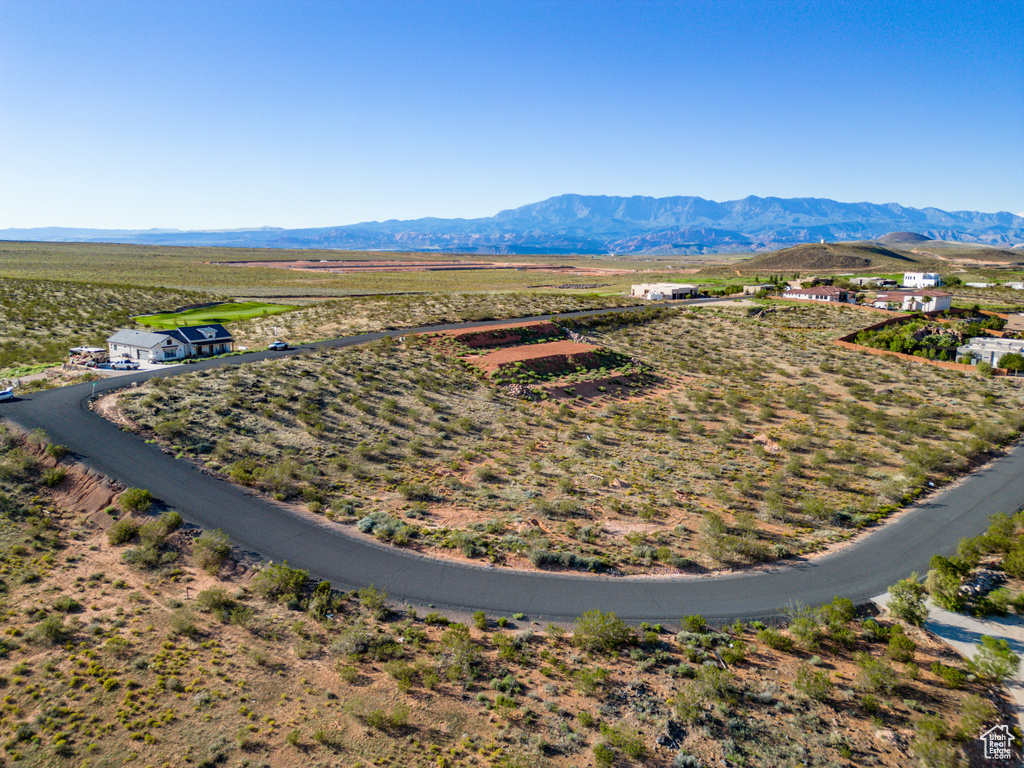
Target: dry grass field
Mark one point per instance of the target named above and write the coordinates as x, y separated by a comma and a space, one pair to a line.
129, 640
750, 438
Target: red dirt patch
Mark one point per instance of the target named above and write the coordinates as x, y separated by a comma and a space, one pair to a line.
354, 267
553, 356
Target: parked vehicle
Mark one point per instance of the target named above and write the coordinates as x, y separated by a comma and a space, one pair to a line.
125, 365
7, 394
278, 345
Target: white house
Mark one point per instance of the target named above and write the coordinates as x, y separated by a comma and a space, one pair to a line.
922, 279
145, 345
657, 291
914, 301
820, 293
160, 346
988, 349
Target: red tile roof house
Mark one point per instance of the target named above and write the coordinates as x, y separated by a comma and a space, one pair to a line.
921, 300
820, 293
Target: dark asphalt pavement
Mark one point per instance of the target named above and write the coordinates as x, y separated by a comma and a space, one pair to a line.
859, 572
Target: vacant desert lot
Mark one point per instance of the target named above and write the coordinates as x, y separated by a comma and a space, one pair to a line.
129, 641
756, 439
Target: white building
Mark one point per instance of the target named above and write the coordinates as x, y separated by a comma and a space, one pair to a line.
146, 346
914, 301
177, 344
821, 293
658, 291
988, 349
922, 279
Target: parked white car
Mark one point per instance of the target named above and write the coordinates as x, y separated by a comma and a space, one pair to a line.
278, 345
7, 394
125, 365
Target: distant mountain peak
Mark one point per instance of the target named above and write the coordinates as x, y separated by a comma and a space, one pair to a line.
596, 224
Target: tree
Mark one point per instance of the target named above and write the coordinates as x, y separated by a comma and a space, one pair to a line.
906, 600
601, 632
994, 659
1011, 361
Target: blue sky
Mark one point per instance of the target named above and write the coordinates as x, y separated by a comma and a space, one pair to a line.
221, 114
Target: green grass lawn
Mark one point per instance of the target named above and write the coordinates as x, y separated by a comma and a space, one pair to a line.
222, 313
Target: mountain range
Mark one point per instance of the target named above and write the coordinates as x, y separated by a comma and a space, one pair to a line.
598, 224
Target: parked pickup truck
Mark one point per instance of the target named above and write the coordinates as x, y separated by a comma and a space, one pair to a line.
125, 365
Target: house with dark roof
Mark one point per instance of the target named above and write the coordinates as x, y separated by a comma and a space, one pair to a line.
177, 344
204, 340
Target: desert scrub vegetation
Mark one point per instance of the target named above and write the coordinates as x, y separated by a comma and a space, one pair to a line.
104, 662
986, 575
361, 314
760, 441
41, 319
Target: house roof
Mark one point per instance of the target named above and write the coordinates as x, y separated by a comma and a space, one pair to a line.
199, 334
141, 339
821, 290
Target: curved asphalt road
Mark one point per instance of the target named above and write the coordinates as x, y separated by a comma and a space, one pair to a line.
859, 572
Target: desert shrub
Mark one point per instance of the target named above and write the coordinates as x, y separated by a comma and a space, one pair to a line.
943, 584
183, 623
123, 531
67, 604
52, 477
694, 624
375, 602
52, 631
630, 742
216, 601
814, 683
901, 648
459, 655
154, 532
601, 632
135, 500
931, 746
951, 676
994, 659
975, 714
591, 679
150, 556
775, 640
57, 452
875, 675
279, 582
210, 550
906, 600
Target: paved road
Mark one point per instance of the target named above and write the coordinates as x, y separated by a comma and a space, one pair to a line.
349, 560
